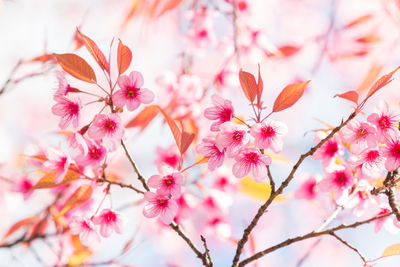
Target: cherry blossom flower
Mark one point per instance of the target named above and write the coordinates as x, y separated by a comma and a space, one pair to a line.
233, 137
107, 127
86, 230
109, 221
308, 189
251, 161
389, 222
360, 135
329, 150
131, 93
58, 161
209, 149
63, 85
371, 161
95, 155
392, 153
201, 32
169, 156
385, 123
23, 185
338, 180
222, 111
268, 134
168, 182
159, 204
68, 110
78, 141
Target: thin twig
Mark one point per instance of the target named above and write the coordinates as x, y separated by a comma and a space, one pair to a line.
284, 184
271, 180
349, 246
207, 251
309, 235
104, 180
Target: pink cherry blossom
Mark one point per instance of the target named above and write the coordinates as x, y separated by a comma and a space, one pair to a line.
389, 222
58, 161
68, 110
360, 135
78, 141
268, 134
107, 127
95, 155
329, 150
308, 189
131, 93
233, 137
251, 161
209, 149
86, 230
392, 153
385, 122
337, 180
63, 85
222, 111
168, 182
159, 204
371, 161
169, 156
109, 221
22, 185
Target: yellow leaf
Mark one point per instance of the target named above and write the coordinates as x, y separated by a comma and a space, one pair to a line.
258, 191
392, 250
79, 257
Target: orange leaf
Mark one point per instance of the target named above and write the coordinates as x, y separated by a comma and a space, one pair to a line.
77, 67
186, 140
144, 117
248, 84
289, 96
171, 4
260, 87
370, 38
47, 181
43, 58
288, 50
132, 11
15, 227
357, 21
78, 198
370, 78
384, 80
124, 57
350, 95
94, 51
391, 250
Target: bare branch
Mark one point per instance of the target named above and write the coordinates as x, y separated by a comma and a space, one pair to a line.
207, 251
349, 246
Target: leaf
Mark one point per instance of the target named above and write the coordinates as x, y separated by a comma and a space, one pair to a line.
384, 80
258, 191
77, 67
391, 250
15, 227
248, 84
79, 257
357, 21
289, 96
370, 78
171, 4
94, 51
186, 140
132, 11
260, 87
124, 57
47, 181
144, 117
288, 50
350, 95
43, 58
370, 38
78, 198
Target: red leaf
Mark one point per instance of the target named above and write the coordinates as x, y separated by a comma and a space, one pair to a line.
288, 50
248, 84
94, 51
186, 140
124, 57
260, 87
77, 67
384, 80
15, 227
78, 198
289, 96
350, 95
144, 117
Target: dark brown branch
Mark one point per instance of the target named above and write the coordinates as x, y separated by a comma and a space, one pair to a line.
104, 180
309, 235
284, 184
140, 176
207, 251
271, 180
23, 239
349, 246
389, 189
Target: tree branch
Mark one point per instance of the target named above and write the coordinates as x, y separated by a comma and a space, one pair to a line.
349, 246
207, 251
284, 184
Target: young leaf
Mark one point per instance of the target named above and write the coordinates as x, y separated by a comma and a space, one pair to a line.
77, 67
288, 50
357, 21
391, 250
289, 96
371, 76
124, 57
186, 140
260, 87
78, 198
384, 80
248, 84
16, 226
350, 95
94, 51
144, 117
47, 181
176, 132
171, 4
